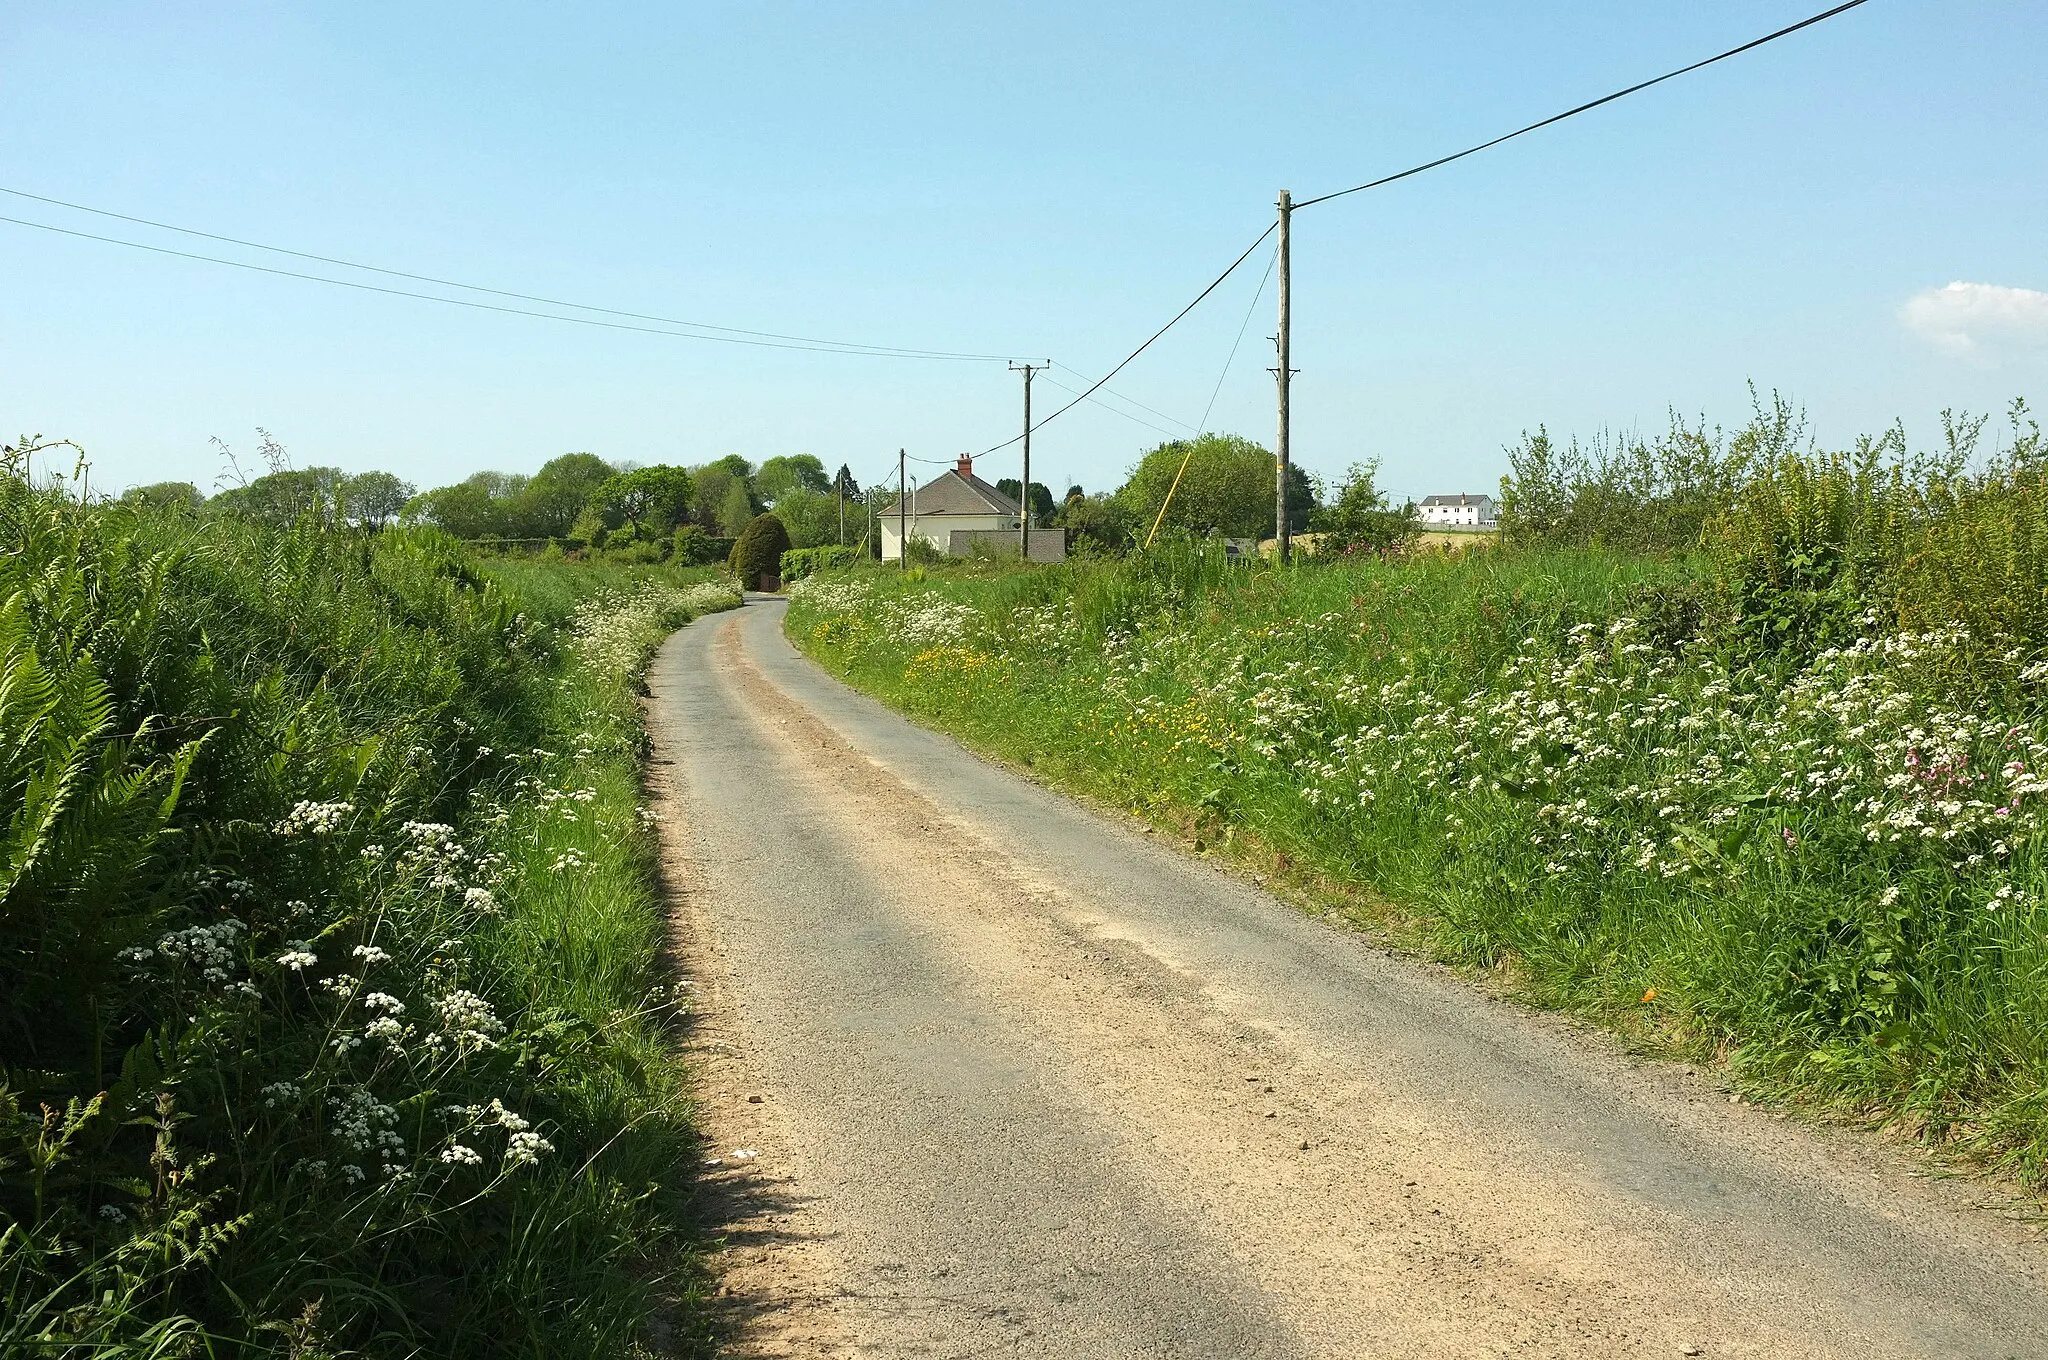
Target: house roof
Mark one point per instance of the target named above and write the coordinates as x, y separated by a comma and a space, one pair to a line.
955, 493
1457, 500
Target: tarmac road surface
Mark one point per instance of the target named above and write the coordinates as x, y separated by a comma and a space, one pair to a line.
1006, 1077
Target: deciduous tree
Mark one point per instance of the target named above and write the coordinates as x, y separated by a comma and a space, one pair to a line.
1227, 488
373, 499
548, 505
794, 472
653, 500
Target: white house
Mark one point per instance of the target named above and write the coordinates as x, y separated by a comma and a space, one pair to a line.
955, 510
1459, 512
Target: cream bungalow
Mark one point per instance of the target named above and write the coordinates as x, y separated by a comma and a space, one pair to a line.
953, 502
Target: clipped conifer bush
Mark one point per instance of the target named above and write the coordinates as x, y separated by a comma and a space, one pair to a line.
759, 550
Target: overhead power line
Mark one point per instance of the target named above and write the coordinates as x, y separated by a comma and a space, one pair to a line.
1127, 400
1242, 327
1435, 164
1116, 411
729, 334
695, 330
1122, 363
1584, 108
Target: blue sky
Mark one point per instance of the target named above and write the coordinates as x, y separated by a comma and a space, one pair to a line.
1051, 180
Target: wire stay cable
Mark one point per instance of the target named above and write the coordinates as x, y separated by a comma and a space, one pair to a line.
1243, 326
819, 348
1584, 108
1189, 455
896, 350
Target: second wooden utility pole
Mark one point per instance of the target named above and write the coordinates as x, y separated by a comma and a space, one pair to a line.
1024, 487
1282, 539
902, 515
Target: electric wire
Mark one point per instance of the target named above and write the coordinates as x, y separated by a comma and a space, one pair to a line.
1584, 108
1125, 361
459, 302
894, 351
1435, 164
476, 306
1116, 411
1243, 326
1118, 396
774, 340
1189, 455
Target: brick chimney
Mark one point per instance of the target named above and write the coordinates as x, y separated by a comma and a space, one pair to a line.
965, 467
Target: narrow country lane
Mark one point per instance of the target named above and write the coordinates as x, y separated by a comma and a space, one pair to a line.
1030, 1084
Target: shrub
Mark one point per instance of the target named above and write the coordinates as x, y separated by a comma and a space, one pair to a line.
1100, 526
1220, 483
693, 547
1358, 520
798, 563
759, 550
1811, 542
1654, 495
634, 552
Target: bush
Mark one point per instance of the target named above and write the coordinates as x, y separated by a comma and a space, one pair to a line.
798, 563
759, 550
1657, 495
1358, 520
812, 517
1817, 549
1099, 526
1220, 483
693, 547
635, 553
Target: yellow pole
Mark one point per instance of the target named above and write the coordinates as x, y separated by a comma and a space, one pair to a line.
1160, 518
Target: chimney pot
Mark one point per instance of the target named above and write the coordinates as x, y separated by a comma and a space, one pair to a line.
966, 465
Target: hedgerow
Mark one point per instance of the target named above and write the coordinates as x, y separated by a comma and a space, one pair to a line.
328, 947
798, 563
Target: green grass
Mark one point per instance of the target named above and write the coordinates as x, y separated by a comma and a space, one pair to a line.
332, 1018
1572, 767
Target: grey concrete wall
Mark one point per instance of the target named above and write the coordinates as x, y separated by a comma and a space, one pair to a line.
1047, 545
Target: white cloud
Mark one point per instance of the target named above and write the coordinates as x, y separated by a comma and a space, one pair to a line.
1966, 318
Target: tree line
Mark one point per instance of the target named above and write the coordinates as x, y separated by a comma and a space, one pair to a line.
1216, 484
650, 511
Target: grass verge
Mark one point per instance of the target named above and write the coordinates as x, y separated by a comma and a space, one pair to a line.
1821, 865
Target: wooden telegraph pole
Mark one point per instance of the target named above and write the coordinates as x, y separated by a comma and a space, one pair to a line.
902, 515
1024, 487
1282, 540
